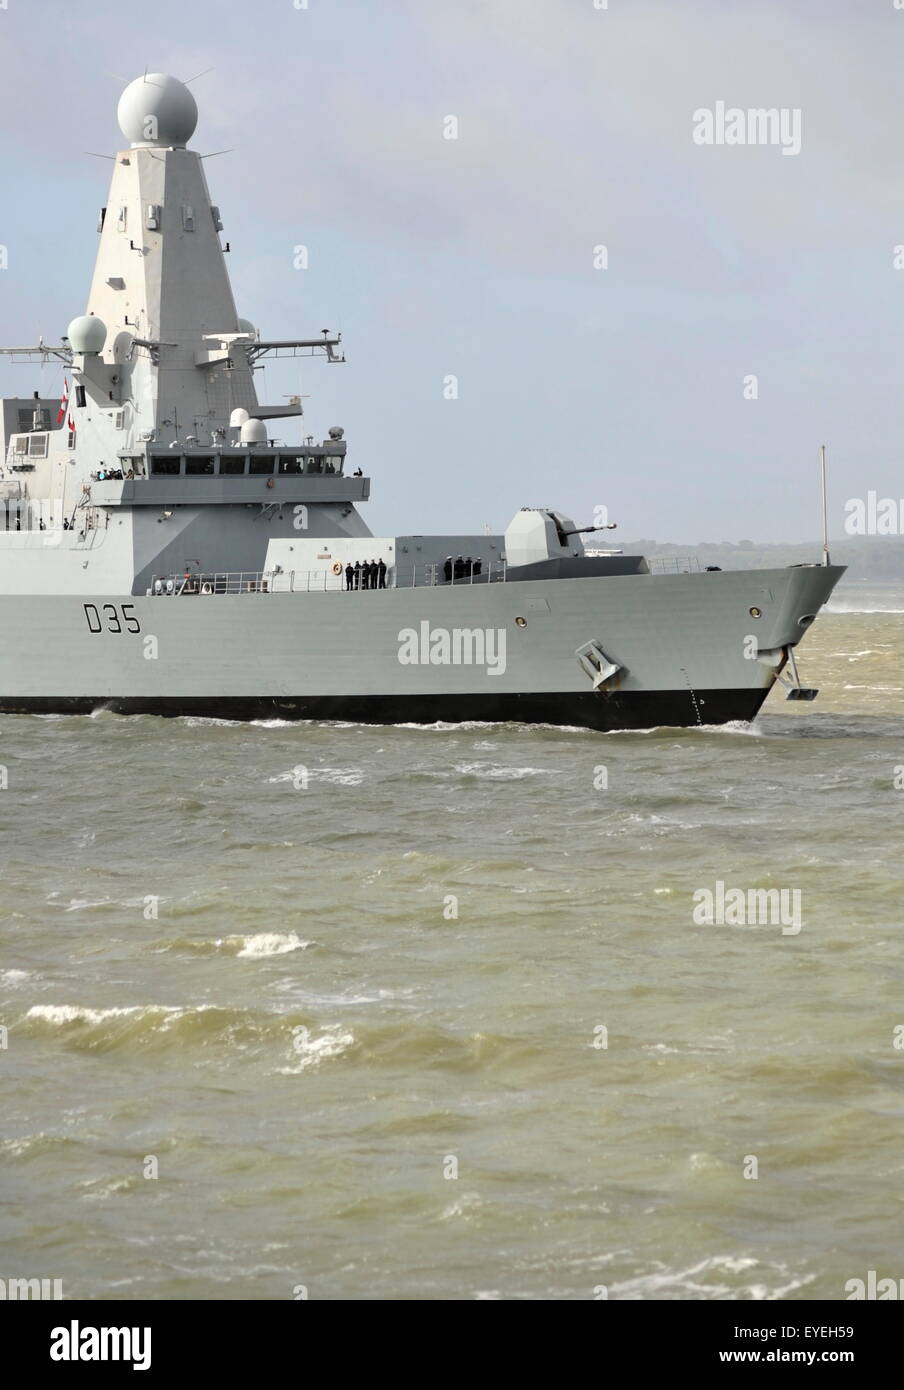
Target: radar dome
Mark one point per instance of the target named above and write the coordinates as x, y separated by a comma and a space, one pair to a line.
157, 111
254, 432
87, 334
238, 417
246, 326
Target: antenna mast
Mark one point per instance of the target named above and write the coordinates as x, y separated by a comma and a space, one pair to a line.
825, 515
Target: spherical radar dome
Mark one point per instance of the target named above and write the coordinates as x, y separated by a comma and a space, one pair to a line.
254, 432
157, 111
87, 333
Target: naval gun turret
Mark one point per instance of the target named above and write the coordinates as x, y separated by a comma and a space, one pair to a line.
536, 534
540, 542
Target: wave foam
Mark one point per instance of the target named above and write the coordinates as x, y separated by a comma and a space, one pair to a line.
310, 1052
490, 772
14, 977
267, 943
60, 1014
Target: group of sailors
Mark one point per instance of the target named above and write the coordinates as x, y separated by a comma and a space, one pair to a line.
462, 567
68, 525
111, 475
369, 575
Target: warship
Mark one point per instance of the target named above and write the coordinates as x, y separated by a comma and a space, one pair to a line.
165, 551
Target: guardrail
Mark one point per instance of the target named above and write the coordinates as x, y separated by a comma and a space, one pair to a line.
674, 564
278, 581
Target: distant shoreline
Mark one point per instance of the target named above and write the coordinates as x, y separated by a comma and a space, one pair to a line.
871, 558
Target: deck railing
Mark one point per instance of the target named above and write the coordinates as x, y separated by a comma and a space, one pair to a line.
674, 564
279, 581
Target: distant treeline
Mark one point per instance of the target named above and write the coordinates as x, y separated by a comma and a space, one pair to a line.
870, 557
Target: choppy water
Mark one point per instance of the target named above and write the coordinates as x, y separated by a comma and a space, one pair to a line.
305, 1042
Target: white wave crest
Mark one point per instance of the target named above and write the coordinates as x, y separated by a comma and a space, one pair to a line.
493, 773
74, 1013
310, 1052
263, 944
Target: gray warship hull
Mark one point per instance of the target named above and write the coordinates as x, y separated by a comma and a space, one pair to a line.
681, 644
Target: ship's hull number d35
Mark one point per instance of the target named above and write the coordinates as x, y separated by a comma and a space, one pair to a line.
111, 617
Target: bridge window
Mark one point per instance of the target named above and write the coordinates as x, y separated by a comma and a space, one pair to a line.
261, 465
166, 466
196, 466
291, 465
233, 463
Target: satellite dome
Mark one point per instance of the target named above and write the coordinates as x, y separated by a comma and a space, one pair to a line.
157, 111
246, 326
254, 432
87, 334
238, 417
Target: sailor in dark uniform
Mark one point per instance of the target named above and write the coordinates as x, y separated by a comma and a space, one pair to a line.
357, 574
349, 575
382, 571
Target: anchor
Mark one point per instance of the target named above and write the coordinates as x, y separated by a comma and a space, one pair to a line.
795, 691
598, 666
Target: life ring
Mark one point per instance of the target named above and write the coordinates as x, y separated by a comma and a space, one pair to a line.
337, 568
270, 482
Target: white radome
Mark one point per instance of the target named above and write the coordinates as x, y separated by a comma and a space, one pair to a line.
157, 111
246, 326
254, 432
87, 334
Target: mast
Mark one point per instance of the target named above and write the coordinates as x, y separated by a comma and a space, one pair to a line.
825, 511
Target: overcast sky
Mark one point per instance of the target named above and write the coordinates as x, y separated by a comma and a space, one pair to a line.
475, 257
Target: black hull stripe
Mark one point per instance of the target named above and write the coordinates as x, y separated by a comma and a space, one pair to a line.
642, 709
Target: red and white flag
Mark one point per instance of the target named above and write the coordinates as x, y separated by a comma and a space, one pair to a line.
64, 401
